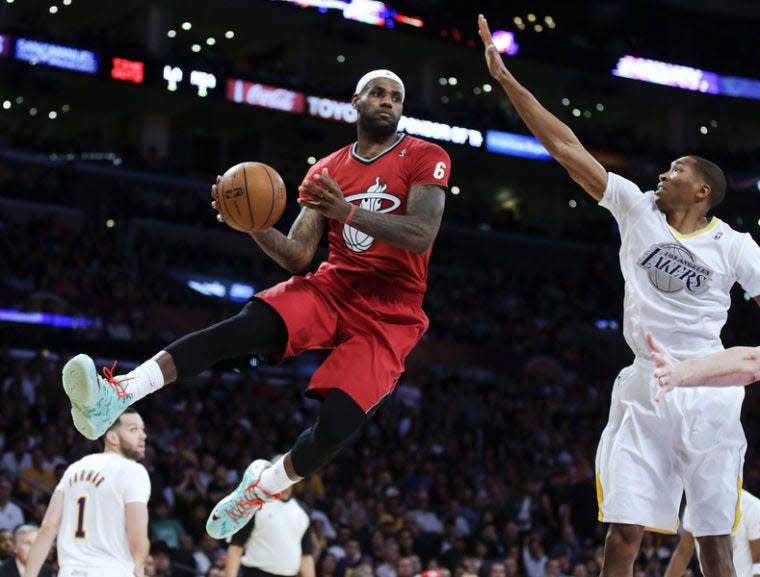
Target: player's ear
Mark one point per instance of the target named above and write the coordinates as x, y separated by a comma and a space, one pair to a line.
705, 190
111, 437
355, 101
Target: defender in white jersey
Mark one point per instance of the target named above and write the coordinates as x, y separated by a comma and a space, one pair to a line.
678, 268
99, 510
745, 541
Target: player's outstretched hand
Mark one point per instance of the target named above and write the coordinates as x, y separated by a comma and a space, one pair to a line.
323, 194
665, 373
493, 58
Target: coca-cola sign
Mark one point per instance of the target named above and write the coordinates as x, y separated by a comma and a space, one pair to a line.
264, 96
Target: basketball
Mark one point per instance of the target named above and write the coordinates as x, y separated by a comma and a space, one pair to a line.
251, 196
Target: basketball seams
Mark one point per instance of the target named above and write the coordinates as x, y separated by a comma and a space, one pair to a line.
272, 191
251, 212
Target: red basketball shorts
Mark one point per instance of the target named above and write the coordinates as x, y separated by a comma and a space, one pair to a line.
370, 336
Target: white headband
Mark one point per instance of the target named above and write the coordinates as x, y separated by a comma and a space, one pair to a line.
380, 73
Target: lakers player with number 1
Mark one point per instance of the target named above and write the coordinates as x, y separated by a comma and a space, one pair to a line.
679, 266
381, 200
99, 510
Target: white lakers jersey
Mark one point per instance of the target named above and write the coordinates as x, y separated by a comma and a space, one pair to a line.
93, 532
676, 286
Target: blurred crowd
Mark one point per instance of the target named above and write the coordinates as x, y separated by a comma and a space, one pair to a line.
480, 465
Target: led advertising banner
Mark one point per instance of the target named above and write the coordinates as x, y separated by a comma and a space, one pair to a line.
57, 56
265, 96
667, 74
128, 70
515, 145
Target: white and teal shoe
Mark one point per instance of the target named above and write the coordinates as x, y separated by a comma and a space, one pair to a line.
234, 511
96, 402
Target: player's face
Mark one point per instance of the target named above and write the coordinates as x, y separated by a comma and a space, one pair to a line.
380, 106
131, 434
678, 185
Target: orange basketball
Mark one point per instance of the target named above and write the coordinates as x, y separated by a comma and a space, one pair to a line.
251, 196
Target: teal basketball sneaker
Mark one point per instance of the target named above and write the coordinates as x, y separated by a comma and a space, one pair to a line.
233, 512
96, 402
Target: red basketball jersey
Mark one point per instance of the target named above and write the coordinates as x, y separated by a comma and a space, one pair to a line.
381, 184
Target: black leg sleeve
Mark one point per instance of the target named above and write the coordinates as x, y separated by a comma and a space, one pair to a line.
256, 330
340, 420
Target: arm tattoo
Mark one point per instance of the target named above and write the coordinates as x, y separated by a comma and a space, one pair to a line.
416, 230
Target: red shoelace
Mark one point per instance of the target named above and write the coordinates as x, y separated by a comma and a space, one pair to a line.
117, 386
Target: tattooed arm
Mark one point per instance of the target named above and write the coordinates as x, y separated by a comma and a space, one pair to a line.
416, 230
295, 251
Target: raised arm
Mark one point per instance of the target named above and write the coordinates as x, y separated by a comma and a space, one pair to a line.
416, 230
47, 534
555, 135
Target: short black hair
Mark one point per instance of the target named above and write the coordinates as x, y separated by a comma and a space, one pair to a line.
714, 177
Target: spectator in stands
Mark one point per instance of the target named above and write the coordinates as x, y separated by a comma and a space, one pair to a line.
6, 544
387, 566
164, 526
11, 515
23, 537
534, 557
406, 566
351, 560
162, 561
38, 480
17, 457
326, 564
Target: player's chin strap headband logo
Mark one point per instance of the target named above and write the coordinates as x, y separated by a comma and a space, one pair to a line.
376, 200
672, 268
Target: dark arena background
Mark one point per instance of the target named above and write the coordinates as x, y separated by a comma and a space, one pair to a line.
116, 117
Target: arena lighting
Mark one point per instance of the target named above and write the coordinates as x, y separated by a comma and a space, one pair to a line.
686, 77
204, 81
515, 145
505, 42
371, 12
5, 45
222, 288
173, 76
49, 319
56, 56
667, 74
128, 70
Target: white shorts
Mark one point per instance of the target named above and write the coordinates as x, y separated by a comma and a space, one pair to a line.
650, 453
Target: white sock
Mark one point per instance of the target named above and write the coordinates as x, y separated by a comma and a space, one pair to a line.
144, 380
274, 479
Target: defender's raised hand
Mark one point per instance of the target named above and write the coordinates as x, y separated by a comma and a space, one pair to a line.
493, 58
